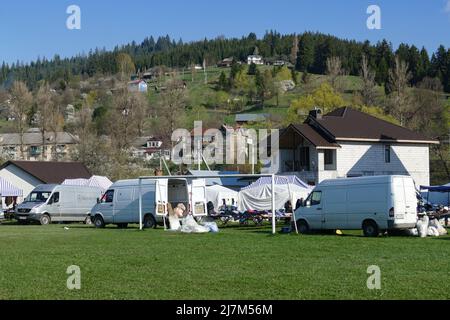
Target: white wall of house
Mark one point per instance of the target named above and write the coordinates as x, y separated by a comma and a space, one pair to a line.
358, 158
20, 179
363, 158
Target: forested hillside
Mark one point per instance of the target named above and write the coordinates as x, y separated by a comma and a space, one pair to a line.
310, 53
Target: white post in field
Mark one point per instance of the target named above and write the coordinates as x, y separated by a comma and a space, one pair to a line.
141, 227
274, 227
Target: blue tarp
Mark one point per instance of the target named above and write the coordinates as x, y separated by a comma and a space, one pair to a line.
445, 188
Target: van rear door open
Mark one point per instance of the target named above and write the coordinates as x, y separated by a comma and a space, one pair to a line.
161, 196
198, 197
405, 202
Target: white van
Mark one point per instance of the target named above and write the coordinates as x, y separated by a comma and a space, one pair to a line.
120, 204
58, 203
372, 204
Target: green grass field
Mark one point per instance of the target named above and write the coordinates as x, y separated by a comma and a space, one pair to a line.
237, 263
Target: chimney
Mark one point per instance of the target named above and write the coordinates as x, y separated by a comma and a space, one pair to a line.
316, 114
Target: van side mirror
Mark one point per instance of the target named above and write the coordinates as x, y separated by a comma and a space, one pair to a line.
50, 201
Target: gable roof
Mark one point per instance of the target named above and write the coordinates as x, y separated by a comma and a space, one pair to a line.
312, 135
52, 172
348, 124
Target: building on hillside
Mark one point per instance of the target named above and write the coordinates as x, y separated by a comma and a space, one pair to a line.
149, 148
56, 147
26, 175
137, 86
247, 118
256, 59
350, 143
226, 63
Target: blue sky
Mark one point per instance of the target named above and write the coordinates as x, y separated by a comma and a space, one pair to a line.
29, 29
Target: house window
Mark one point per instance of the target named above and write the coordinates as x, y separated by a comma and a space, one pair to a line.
34, 151
387, 154
329, 157
304, 158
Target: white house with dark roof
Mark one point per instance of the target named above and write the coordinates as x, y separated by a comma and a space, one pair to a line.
256, 59
350, 143
26, 175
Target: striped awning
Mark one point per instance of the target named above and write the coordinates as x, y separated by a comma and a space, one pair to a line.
8, 190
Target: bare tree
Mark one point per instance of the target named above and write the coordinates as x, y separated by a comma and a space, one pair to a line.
368, 91
193, 72
44, 109
127, 118
125, 65
171, 108
21, 103
294, 50
55, 123
399, 78
334, 70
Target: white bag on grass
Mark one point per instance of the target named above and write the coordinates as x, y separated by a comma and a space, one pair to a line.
437, 224
433, 232
422, 226
212, 226
191, 226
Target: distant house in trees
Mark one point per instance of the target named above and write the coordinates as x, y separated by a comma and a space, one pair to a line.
137, 86
256, 59
149, 148
242, 119
225, 63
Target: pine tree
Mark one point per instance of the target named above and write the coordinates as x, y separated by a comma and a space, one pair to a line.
305, 57
223, 82
252, 69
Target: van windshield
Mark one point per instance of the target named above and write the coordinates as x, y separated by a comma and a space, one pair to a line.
38, 196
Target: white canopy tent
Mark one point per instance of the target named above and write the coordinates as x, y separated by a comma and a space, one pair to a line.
217, 194
8, 190
95, 181
258, 196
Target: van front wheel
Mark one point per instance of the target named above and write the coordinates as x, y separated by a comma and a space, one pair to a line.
302, 227
99, 223
370, 229
45, 220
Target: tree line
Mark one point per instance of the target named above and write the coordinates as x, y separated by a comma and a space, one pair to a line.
308, 51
